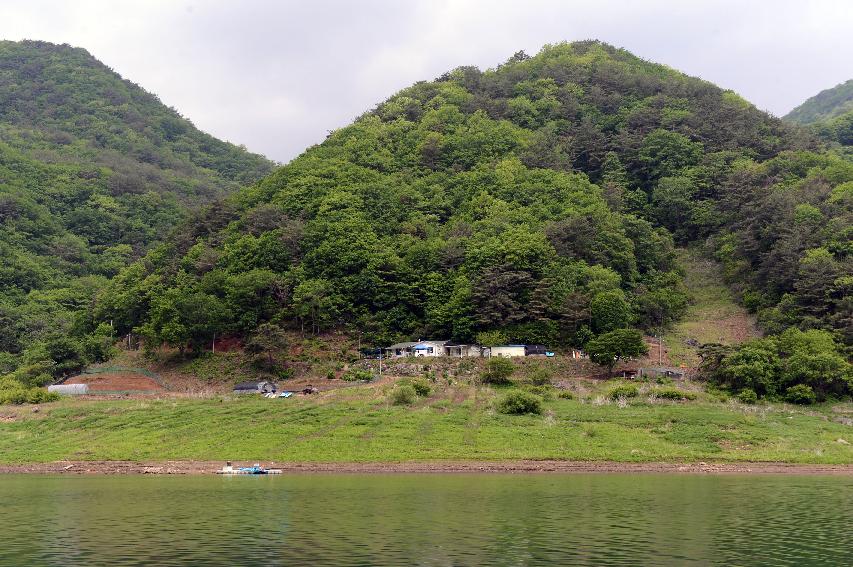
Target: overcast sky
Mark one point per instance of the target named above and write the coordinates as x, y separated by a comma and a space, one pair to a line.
277, 76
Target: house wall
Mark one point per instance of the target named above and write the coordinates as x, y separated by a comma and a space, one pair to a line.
436, 351
508, 351
472, 350
462, 351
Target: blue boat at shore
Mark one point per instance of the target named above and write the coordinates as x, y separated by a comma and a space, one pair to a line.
228, 469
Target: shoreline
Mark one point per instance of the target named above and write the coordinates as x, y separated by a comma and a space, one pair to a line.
426, 467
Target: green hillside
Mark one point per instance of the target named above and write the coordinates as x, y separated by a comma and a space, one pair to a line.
825, 105
93, 171
536, 202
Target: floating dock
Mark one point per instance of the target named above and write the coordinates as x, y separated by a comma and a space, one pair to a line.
257, 469
239, 472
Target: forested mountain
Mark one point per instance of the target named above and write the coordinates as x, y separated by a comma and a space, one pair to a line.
540, 199
825, 105
93, 170
837, 130
829, 114
537, 202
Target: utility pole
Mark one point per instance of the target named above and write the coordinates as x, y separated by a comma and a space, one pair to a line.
380, 363
213, 345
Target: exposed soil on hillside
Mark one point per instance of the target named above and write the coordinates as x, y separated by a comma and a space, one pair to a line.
517, 467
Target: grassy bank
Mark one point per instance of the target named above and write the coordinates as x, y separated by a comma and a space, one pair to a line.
456, 422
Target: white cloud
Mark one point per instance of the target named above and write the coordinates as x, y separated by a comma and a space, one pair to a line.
277, 76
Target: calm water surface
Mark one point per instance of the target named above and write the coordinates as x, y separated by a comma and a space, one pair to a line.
427, 520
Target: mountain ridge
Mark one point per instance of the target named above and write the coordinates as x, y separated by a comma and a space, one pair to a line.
827, 104
93, 171
661, 145
538, 202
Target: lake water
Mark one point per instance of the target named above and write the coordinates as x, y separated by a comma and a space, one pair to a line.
427, 520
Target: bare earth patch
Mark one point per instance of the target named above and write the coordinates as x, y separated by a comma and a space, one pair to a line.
117, 382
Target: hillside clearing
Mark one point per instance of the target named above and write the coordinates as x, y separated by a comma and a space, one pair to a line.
712, 317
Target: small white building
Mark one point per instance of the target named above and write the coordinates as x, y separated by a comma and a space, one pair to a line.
420, 348
457, 350
508, 351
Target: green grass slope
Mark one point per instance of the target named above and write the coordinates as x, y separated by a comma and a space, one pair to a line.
455, 423
713, 315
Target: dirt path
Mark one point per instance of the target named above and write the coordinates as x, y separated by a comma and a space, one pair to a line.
208, 467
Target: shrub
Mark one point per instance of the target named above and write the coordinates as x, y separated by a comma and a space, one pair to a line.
40, 396
421, 387
545, 392
747, 396
356, 374
13, 392
403, 395
800, 394
673, 394
565, 395
540, 377
330, 375
285, 373
498, 371
13, 395
519, 402
623, 391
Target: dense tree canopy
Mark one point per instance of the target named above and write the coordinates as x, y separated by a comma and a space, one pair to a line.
539, 201
93, 171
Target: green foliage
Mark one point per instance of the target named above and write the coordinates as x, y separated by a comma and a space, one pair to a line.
357, 375
546, 392
540, 376
610, 348
747, 396
403, 395
421, 387
610, 311
825, 105
491, 338
664, 153
771, 366
519, 402
14, 392
623, 391
498, 371
754, 366
93, 172
453, 210
672, 394
267, 339
800, 394
539, 200
839, 130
